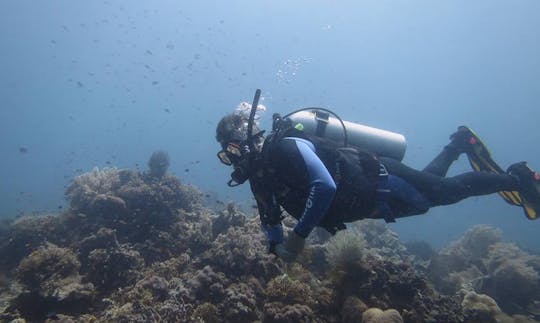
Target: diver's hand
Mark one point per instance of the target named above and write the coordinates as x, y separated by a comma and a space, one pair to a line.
289, 250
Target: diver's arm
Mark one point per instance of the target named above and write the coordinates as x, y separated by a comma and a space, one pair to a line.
269, 211
321, 189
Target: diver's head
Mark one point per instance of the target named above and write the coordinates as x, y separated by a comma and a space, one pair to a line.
231, 133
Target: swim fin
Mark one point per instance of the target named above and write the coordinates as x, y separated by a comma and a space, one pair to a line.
481, 161
530, 188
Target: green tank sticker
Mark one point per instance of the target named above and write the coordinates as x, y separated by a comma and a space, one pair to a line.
299, 126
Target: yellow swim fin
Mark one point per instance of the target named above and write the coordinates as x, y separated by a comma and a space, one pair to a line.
481, 161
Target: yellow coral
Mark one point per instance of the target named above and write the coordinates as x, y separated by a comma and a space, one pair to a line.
376, 315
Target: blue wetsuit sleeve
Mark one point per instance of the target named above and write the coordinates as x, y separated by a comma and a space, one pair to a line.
321, 189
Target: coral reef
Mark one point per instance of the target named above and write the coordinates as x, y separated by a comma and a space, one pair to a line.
376, 315
480, 308
352, 310
513, 277
381, 240
158, 164
462, 258
344, 248
51, 277
479, 262
141, 247
25, 235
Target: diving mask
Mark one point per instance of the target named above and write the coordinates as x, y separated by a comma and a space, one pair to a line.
236, 154
230, 154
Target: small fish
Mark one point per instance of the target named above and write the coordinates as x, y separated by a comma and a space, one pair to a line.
79, 84
167, 110
155, 82
149, 52
186, 170
23, 150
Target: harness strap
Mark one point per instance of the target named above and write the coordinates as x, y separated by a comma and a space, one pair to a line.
383, 196
322, 122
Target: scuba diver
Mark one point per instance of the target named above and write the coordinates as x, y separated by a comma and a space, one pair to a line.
303, 168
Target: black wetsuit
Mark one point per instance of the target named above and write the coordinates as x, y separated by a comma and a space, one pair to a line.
324, 186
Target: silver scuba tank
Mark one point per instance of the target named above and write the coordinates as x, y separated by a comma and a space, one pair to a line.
318, 122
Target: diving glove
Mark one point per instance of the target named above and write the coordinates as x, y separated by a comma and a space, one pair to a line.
289, 250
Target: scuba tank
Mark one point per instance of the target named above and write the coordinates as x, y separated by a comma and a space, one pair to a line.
319, 122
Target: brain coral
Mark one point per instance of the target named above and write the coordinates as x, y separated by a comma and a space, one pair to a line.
376, 315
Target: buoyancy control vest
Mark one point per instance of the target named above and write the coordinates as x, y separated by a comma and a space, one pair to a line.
354, 170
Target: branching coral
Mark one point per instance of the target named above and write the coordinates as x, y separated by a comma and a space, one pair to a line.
134, 204
283, 313
240, 304
240, 251
91, 192
207, 312
381, 240
171, 267
112, 268
227, 218
288, 291
206, 284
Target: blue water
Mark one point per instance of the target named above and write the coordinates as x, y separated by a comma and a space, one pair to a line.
105, 83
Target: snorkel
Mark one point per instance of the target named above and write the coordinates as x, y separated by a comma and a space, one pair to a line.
251, 120
242, 169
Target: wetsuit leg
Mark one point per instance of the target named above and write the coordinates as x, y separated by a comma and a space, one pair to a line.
448, 190
442, 162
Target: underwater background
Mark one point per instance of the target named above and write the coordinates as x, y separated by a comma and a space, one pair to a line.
107, 83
